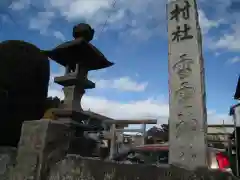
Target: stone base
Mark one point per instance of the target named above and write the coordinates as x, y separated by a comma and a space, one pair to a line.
42, 144
75, 167
7, 161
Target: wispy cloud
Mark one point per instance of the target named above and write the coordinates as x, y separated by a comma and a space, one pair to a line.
133, 17
206, 23
59, 35
42, 21
122, 83
18, 5
234, 60
229, 41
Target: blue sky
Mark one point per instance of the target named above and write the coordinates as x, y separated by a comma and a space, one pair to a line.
135, 39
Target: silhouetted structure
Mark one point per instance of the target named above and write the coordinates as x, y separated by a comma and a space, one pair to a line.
237, 91
52, 102
24, 78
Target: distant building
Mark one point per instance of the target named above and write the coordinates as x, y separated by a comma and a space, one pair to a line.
219, 134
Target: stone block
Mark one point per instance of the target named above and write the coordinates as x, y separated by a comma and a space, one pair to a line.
42, 144
7, 161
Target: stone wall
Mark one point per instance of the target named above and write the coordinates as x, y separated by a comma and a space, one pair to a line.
74, 167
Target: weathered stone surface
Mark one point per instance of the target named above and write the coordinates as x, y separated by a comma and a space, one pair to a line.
74, 167
187, 104
42, 144
7, 161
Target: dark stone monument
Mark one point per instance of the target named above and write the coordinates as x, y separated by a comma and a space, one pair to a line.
24, 78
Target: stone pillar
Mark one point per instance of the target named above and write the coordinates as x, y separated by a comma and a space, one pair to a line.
188, 118
73, 95
144, 133
74, 82
113, 140
42, 144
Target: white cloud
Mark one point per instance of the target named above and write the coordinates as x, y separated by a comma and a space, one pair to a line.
230, 40
207, 24
235, 59
18, 5
59, 35
42, 21
123, 84
74, 9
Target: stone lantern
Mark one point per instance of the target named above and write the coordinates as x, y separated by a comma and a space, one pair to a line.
78, 57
